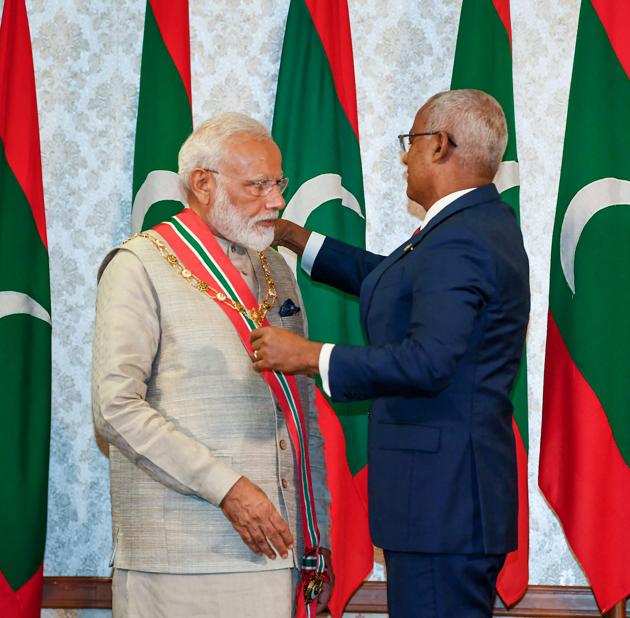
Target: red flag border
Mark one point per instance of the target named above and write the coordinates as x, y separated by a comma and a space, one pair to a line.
173, 22
583, 475
19, 122
503, 9
615, 17
332, 23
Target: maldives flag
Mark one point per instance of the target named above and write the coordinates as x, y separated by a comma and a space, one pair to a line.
24, 327
585, 445
316, 127
483, 61
164, 113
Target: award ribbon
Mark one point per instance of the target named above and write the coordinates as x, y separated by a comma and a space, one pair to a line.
199, 251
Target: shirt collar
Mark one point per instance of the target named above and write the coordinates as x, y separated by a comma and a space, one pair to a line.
442, 203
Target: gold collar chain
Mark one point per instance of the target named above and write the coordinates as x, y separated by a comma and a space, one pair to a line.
255, 314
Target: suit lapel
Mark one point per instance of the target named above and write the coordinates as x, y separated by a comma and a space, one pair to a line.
487, 193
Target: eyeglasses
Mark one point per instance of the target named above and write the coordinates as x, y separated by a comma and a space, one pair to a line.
406, 139
257, 187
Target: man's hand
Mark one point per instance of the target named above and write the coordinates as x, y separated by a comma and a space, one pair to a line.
324, 597
256, 519
277, 349
290, 235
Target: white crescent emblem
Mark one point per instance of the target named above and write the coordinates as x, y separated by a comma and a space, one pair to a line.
312, 194
12, 303
588, 201
507, 176
157, 186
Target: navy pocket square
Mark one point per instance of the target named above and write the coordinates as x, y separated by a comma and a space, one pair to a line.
288, 308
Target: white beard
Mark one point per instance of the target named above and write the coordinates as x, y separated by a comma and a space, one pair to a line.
225, 218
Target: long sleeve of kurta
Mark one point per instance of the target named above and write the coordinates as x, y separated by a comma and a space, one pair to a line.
126, 340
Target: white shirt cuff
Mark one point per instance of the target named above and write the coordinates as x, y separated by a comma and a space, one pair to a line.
324, 365
313, 245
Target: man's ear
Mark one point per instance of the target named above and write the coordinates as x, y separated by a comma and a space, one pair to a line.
441, 149
202, 184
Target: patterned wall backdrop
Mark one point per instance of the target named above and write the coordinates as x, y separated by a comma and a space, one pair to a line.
87, 62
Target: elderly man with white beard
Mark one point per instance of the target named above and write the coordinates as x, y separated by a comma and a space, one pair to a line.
215, 511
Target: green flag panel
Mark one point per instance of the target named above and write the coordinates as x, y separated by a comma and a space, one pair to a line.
24, 444
23, 255
164, 117
316, 137
593, 321
483, 61
24, 388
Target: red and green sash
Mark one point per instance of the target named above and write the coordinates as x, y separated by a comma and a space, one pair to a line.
198, 250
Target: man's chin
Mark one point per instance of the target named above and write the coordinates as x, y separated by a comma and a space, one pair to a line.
257, 241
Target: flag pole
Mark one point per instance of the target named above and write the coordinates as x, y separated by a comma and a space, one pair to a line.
618, 611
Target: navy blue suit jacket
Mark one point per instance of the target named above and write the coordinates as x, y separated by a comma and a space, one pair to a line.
445, 315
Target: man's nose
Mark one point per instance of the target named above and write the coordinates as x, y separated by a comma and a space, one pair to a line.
275, 201
403, 157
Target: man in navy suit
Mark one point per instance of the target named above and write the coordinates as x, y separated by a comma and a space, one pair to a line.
445, 316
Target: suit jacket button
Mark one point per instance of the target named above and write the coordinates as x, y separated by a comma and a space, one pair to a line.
283, 445
285, 483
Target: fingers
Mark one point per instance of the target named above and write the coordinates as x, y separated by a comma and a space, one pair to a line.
279, 232
258, 334
290, 235
279, 535
257, 340
276, 349
283, 537
254, 540
262, 355
269, 537
259, 543
256, 520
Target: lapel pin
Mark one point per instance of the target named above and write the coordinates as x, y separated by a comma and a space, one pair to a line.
408, 248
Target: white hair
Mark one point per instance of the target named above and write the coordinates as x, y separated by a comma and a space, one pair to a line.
475, 122
205, 146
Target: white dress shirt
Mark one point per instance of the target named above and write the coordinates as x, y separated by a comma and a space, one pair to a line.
315, 243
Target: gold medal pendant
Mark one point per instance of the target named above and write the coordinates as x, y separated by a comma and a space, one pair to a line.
256, 316
313, 587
